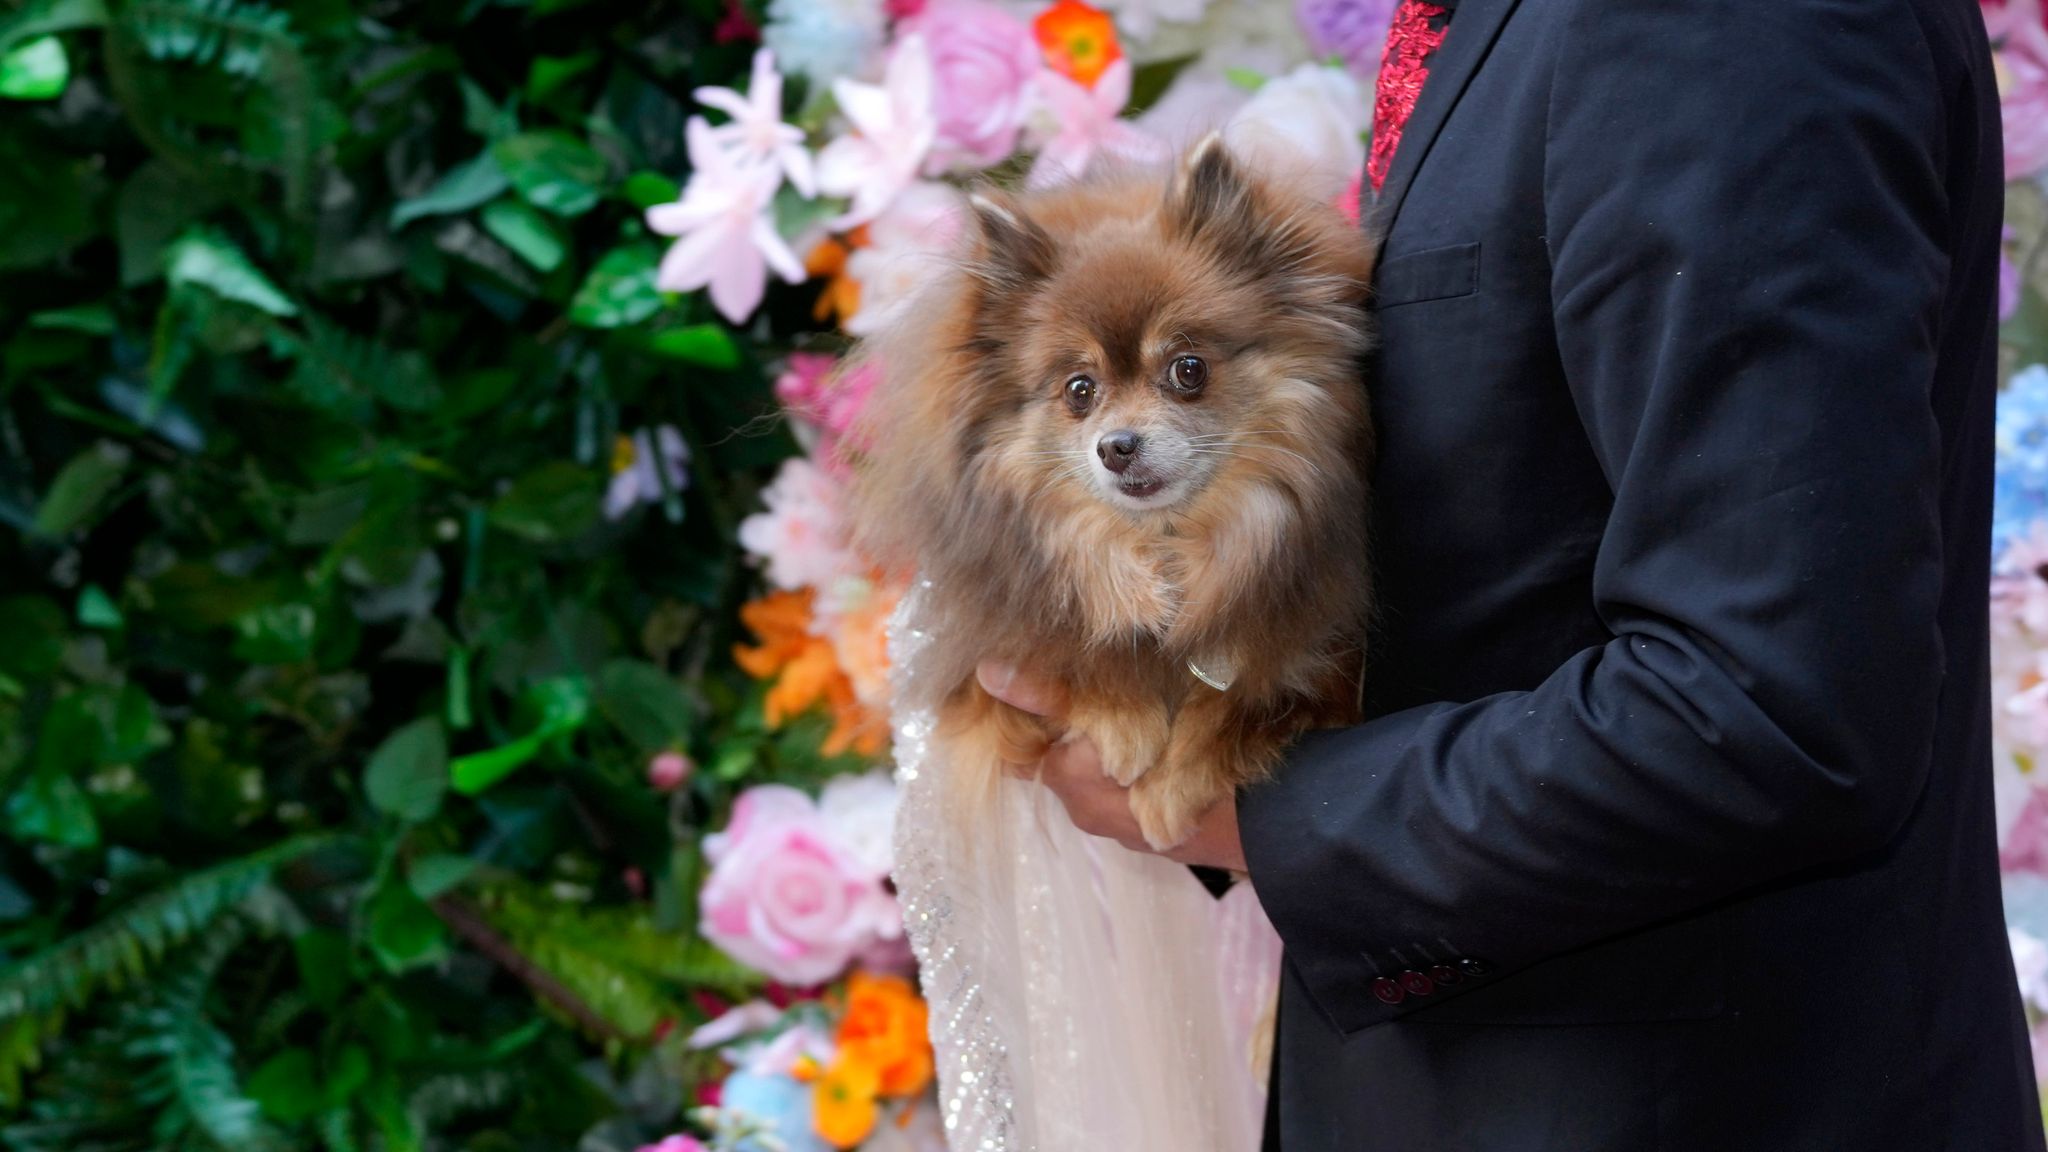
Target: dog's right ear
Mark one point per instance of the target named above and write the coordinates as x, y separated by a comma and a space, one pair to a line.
1015, 251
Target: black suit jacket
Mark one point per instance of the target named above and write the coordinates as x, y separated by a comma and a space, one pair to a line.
1671, 827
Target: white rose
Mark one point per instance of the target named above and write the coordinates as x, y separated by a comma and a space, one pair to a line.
1306, 125
861, 812
2030, 961
907, 246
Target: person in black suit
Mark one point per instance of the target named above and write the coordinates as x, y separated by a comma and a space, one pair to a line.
1670, 827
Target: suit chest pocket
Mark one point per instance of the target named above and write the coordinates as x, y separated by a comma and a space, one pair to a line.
1431, 274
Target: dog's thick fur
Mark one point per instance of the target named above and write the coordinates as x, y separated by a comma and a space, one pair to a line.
981, 473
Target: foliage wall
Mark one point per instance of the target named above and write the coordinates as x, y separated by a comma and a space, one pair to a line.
424, 655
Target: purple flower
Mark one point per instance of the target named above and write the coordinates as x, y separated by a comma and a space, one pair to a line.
1354, 30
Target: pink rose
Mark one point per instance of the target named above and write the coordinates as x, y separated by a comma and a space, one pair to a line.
2022, 61
828, 400
983, 62
785, 896
676, 1143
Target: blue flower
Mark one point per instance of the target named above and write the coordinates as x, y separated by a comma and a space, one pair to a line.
772, 1105
824, 39
2020, 489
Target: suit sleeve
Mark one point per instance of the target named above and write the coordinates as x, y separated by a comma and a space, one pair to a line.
1747, 218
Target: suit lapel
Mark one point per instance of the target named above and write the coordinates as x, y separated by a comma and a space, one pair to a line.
1474, 26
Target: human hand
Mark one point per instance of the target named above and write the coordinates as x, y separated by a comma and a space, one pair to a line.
1095, 803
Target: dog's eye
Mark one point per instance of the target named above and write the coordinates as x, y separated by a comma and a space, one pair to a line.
1080, 395
1189, 374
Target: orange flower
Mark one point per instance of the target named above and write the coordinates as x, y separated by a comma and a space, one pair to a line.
886, 1027
843, 1107
1079, 42
806, 673
840, 298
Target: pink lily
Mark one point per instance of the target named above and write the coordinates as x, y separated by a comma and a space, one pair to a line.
757, 135
1088, 124
726, 238
894, 128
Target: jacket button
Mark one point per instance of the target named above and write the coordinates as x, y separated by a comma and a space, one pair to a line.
1474, 968
1387, 992
1445, 974
1416, 984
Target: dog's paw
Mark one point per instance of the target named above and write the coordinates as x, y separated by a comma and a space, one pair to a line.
1129, 743
1168, 805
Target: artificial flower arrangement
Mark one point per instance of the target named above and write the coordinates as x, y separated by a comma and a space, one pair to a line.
856, 191
2019, 530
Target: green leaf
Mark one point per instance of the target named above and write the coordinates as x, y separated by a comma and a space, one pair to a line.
552, 502
710, 345
439, 874
563, 704
206, 259
408, 774
553, 170
34, 628
275, 634
404, 932
518, 226
52, 809
288, 1086
547, 74
42, 17
461, 188
91, 319
323, 960
157, 203
36, 70
645, 704
79, 490
620, 288
1151, 80
643, 190
97, 610
1245, 78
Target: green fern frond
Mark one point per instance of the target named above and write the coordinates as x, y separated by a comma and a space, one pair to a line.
21, 1050
126, 944
337, 1128
340, 372
195, 1075
442, 1099
86, 1101
617, 960
237, 37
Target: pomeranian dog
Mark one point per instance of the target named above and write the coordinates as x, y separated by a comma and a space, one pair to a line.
1124, 439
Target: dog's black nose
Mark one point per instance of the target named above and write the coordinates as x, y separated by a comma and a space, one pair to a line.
1117, 449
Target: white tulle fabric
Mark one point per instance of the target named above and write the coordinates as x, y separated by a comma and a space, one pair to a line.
1082, 996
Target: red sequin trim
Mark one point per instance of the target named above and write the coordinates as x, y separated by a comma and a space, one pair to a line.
1417, 33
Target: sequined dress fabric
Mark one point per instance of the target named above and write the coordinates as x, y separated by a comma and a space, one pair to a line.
1082, 996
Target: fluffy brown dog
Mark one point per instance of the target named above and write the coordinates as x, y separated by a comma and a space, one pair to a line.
1125, 441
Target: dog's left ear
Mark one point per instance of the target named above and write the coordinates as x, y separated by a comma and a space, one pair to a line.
1214, 200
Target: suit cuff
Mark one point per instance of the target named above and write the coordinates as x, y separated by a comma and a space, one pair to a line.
1308, 836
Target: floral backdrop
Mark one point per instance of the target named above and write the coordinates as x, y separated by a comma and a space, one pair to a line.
438, 704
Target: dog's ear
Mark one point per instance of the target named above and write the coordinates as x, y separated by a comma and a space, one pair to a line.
1014, 252
1216, 201
1210, 191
